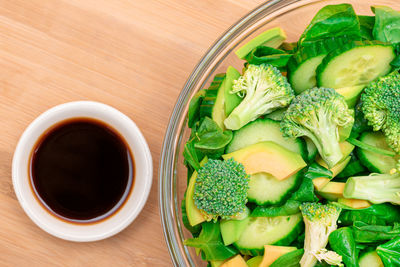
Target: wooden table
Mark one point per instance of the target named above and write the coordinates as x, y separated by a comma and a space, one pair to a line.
134, 55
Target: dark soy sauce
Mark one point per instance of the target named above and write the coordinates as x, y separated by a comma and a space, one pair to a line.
81, 170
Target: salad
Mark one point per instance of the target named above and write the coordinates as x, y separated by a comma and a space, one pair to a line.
294, 161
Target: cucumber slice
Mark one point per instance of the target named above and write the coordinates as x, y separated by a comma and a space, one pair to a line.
301, 73
351, 94
373, 161
303, 65
370, 259
356, 63
213, 102
264, 130
272, 38
260, 231
265, 189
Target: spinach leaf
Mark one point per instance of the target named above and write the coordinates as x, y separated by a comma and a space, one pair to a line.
268, 55
365, 233
211, 244
316, 171
291, 259
191, 156
305, 193
366, 26
332, 21
210, 139
387, 24
390, 252
342, 241
378, 214
194, 107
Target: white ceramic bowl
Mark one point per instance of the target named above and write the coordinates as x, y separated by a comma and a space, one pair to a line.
133, 204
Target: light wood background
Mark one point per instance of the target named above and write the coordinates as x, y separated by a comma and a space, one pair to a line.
134, 55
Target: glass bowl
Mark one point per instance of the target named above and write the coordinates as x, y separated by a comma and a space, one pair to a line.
293, 16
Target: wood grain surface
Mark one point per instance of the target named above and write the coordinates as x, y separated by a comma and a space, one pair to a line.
134, 55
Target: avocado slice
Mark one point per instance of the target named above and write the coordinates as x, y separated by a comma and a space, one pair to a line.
231, 100
272, 253
273, 38
332, 191
255, 261
355, 203
319, 183
195, 216
351, 94
236, 261
268, 157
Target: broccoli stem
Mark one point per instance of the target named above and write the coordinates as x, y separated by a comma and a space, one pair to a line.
326, 140
378, 188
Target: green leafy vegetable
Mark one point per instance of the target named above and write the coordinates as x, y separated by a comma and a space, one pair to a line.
390, 252
291, 259
194, 107
268, 55
366, 26
211, 244
379, 214
332, 21
387, 24
316, 171
366, 233
342, 241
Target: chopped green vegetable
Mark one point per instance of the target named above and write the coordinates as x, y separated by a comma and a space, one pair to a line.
366, 233
264, 89
317, 113
221, 189
381, 107
291, 259
378, 214
268, 55
320, 221
210, 243
390, 252
387, 24
332, 21
376, 188
273, 38
342, 241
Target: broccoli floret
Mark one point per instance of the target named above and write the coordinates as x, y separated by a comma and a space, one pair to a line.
317, 113
221, 189
264, 89
320, 221
376, 188
381, 107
